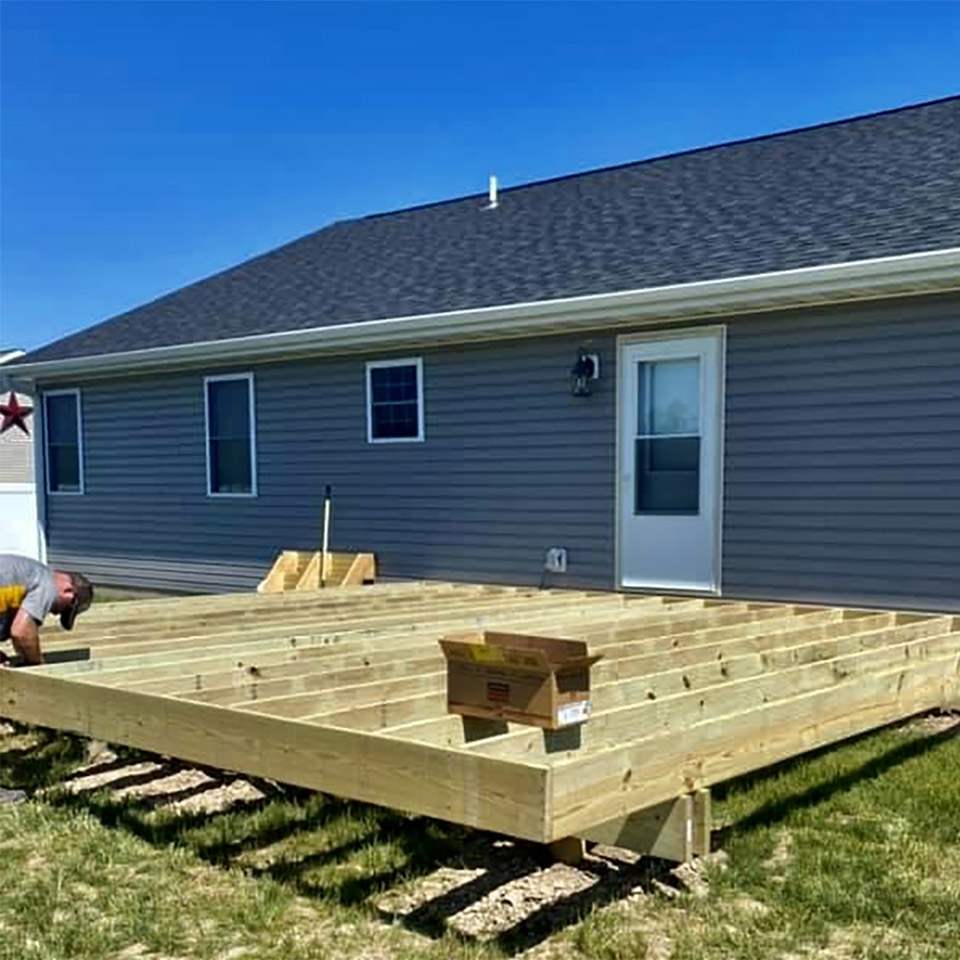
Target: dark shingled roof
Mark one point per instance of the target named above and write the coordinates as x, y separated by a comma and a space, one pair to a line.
869, 187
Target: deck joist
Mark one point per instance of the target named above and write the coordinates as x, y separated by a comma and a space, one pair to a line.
343, 691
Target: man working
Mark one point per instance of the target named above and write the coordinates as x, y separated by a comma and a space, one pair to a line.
28, 592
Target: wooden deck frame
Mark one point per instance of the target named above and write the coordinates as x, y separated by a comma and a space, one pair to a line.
342, 690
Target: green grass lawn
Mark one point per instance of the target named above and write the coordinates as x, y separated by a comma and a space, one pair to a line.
850, 853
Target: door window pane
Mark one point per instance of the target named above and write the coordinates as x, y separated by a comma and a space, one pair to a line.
667, 475
669, 397
667, 448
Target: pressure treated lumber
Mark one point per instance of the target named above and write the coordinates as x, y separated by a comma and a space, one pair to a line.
748, 740
326, 627
233, 689
299, 570
342, 570
476, 791
676, 830
343, 690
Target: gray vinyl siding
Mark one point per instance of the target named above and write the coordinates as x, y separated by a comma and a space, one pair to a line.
842, 456
841, 463
511, 465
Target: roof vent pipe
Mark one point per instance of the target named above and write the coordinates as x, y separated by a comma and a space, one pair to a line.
494, 203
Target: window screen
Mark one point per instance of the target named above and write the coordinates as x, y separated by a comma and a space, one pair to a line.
62, 419
667, 446
230, 442
394, 401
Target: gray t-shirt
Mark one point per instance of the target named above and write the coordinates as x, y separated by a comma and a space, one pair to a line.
26, 584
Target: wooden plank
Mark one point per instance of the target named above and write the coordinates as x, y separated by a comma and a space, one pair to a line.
356, 636
362, 569
637, 679
273, 581
339, 698
427, 720
679, 710
362, 601
702, 822
236, 693
424, 717
107, 649
401, 620
247, 689
245, 671
240, 606
725, 643
337, 573
257, 681
475, 791
284, 568
667, 830
613, 782
310, 579
174, 613
385, 714
306, 611
637, 720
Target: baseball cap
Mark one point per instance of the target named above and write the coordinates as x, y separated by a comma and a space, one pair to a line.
82, 598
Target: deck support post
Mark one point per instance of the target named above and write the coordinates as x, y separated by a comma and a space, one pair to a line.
569, 850
677, 830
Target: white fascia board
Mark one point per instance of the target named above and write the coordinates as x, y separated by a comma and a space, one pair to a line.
914, 273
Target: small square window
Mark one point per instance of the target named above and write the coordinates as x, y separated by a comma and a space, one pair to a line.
395, 401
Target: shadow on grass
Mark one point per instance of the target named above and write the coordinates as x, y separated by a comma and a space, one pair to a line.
44, 761
778, 810
351, 854
364, 851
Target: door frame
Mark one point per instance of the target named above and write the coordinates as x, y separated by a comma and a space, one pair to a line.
630, 339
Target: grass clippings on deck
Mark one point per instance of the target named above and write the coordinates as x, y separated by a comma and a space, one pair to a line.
850, 854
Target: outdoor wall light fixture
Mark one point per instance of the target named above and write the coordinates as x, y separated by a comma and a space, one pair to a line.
586, 368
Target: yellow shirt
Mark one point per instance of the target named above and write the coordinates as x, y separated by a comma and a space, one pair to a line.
24, 584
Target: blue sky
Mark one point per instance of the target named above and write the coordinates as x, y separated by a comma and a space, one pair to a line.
144, 146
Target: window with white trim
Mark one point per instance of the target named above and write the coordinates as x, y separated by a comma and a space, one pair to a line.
231, 436
395, 400
63, 441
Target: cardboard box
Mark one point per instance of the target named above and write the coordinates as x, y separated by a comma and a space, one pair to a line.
540, 681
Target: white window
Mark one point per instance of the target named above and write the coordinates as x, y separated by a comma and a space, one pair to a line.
231, 436
395, 401
63, 441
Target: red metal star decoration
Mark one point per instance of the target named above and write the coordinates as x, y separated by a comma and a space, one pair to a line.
14, 415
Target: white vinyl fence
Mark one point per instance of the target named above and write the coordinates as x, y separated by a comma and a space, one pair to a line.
19, 528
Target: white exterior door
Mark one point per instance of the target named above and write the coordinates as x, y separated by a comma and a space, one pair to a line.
671, 420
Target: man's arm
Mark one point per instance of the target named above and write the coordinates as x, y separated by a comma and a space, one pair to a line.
25, 636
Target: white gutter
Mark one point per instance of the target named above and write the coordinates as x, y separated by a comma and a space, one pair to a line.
936, 271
